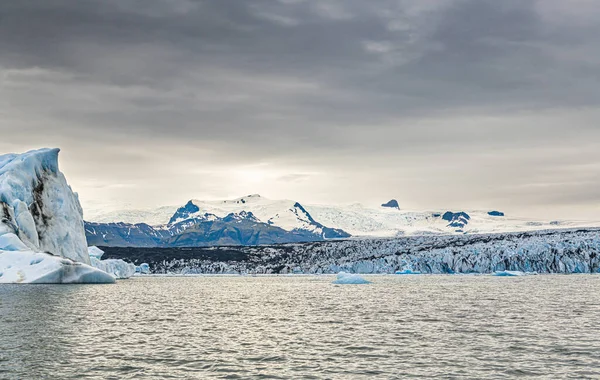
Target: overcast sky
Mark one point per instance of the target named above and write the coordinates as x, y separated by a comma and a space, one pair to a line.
463, 104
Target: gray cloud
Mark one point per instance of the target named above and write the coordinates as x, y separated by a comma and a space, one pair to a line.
487, 97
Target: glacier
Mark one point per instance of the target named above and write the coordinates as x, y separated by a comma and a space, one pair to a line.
118, 268
548, 251
42, 237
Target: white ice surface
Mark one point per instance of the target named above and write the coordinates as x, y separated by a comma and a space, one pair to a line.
359, 220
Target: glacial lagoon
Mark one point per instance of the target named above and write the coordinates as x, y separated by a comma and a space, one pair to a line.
447, 326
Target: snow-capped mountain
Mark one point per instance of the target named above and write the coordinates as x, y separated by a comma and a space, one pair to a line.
285, 214
310, 222
250, 220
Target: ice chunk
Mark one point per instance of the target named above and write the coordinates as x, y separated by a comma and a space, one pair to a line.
42, 268
509, 273
95, 252
407, 271
117, 268
344, 278
143, 268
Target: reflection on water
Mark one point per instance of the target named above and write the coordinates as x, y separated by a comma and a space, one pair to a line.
293, 327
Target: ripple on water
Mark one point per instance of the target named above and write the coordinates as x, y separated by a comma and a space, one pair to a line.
291, 327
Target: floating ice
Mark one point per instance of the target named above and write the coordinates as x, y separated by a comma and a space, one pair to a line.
143, 268
95, 252
38, 207
42, 237
407, 271
509, 273
344, 278
42, 268
118, 268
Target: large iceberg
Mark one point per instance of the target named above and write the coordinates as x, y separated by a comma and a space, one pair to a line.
117, 268
42, 237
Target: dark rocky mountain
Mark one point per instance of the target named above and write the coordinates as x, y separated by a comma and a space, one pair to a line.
392, 204
201, 231
124, 234
457, 219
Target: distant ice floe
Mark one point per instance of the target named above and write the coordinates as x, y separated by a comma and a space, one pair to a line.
407, 271
143, 268
42, 239
117, 268
344, 278
512, 273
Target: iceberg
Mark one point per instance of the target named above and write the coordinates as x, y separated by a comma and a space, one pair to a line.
117, 268
344, 278
42, 236
42, 268
95, 252
143, 268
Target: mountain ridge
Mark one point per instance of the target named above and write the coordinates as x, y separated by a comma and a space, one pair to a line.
292, 222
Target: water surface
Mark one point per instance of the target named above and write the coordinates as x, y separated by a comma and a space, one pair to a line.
303, 327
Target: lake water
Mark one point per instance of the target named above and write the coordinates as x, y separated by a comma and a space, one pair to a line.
303, 327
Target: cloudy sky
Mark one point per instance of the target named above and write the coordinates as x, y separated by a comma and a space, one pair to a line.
438, 103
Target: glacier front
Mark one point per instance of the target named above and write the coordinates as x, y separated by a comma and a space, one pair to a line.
550, 251
42, 237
